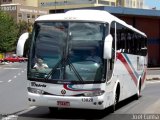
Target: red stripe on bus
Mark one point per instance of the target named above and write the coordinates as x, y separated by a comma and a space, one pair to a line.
144, 77
130, 71
66, 86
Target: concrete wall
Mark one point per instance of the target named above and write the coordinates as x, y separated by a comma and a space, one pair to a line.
33, 3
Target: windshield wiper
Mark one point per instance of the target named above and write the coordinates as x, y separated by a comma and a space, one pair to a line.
53, 69
70, 65
74, 69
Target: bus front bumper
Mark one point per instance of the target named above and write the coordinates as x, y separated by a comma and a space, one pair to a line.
96, 102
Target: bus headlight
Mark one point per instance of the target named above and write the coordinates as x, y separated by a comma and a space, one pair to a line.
94, 93
36, 91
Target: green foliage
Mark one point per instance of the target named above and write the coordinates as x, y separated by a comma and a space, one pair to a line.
22, 27
8, 33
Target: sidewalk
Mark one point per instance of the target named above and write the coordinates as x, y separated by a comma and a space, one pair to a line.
153, 73
3, 63
153, 77
156, 68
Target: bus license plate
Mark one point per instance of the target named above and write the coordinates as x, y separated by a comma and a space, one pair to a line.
63, 103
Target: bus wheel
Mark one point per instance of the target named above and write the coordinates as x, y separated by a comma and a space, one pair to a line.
53, 109
139, 91
113, 107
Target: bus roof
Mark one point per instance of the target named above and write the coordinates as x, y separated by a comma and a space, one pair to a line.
86, 15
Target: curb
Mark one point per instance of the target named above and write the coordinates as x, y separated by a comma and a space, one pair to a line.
153, 77
153, 68
150, 79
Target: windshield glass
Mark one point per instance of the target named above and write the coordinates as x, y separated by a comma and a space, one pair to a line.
67, 51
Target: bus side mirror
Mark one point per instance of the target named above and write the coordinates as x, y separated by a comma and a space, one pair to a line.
108, 47
21, 42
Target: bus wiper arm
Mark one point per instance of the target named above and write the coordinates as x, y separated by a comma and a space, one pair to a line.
70, 65
53, 69
74, 69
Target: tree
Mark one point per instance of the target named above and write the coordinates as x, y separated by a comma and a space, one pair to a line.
8, 32
22, 28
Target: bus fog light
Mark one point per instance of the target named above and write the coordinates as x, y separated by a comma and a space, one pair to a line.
36, 91
100, 102
94, 93
29, 99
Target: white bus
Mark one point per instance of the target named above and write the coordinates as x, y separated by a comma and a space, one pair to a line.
93, 60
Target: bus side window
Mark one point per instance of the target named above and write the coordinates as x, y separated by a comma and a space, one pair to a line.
143, 46
121, 38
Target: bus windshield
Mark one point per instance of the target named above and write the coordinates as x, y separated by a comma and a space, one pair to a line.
67, 51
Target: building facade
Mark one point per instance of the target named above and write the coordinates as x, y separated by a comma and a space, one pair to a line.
23, 13
22, 2
68, 4
131, 3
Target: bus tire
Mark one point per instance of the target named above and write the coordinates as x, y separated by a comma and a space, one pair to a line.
138, 94
116, 99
